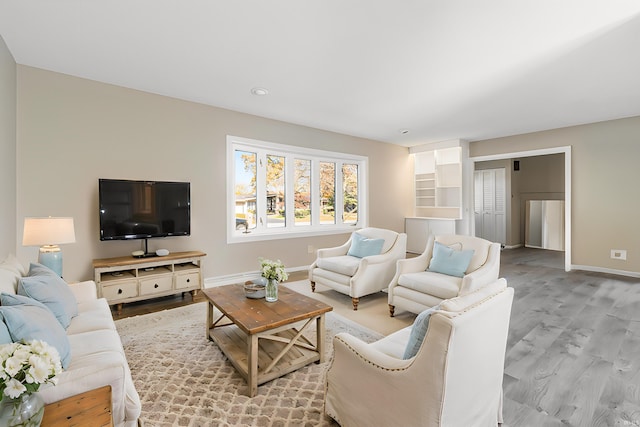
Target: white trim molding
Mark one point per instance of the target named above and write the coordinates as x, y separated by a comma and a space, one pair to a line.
606, 270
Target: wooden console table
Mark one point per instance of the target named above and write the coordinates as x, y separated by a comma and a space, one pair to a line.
127, 279
92, 408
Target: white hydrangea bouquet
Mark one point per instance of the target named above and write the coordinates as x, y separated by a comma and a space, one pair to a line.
26, 366
273, 270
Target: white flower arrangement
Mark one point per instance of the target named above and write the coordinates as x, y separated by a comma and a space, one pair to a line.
26, 366
273, 270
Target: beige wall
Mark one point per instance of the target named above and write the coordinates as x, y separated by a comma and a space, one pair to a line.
73, 131
7, 152
604, 176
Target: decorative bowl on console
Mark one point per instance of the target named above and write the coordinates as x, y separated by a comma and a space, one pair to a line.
254, 289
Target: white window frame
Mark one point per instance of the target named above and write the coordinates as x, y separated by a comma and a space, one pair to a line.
290, 152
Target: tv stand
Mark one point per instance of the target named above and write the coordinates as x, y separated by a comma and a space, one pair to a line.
126, 279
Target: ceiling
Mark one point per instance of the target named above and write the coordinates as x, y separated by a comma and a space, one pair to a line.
442, 70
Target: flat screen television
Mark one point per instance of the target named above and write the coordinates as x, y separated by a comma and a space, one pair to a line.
143, 209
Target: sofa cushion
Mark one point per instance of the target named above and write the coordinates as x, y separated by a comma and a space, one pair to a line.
393, 344
418, 331
10, 272
31, 320
345, 264
44, 285
428, 282
447, 260
92, 316
362, 246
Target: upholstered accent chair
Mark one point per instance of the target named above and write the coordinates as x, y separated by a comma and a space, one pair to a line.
451, 265
454, 378
361, 266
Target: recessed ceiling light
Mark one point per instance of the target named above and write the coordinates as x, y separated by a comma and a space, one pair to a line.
404, 131
259, 91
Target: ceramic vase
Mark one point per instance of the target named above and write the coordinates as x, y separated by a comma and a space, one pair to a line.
26, 410
271, 291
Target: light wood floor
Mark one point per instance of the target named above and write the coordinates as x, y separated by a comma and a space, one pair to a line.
573, 352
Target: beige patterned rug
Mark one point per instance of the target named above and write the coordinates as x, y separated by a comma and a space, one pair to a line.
184, 379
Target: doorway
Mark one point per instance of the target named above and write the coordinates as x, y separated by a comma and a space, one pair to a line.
567, 188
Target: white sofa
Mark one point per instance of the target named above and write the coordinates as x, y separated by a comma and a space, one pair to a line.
97, 355
358, 276
454, 379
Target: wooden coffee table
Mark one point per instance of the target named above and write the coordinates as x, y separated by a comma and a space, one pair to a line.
263, 340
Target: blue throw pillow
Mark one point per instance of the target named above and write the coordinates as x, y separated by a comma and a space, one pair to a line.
418, 331
32, 322
448, 261
44, 285
10, 299
363, 246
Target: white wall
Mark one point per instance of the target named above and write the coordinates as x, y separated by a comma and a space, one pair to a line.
7, 152
73, 131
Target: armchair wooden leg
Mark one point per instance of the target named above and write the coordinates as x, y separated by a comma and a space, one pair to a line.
313, 286
355, 302
392, 309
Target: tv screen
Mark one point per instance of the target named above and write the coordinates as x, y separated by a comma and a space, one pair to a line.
143, 209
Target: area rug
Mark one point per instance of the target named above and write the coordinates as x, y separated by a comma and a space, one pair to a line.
185, 380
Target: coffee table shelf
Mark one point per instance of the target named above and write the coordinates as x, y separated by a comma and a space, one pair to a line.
265, 340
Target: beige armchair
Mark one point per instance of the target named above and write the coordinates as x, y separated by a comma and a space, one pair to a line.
415, 289
454, 379
343, 269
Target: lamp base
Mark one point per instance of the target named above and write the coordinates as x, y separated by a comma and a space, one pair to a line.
51, 256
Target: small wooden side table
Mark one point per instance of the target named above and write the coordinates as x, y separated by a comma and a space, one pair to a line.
92, 408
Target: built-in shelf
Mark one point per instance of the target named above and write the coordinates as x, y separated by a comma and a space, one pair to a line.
438, 183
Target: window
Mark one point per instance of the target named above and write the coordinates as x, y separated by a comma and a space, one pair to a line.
280, 191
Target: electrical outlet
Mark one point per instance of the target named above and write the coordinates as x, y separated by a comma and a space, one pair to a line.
310, 249
619, 254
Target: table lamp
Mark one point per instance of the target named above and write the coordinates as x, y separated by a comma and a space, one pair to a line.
48, 233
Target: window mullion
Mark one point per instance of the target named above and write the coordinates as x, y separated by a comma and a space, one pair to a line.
261, 190
289, 191
316, 207
339, 204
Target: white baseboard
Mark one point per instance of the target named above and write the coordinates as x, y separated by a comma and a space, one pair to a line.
605, 270
519, 245
230, 279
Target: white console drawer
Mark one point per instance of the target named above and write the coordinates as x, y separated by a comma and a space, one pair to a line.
188, 280
120, 290
153, 285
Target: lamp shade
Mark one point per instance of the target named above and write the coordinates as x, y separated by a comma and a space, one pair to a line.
48, 231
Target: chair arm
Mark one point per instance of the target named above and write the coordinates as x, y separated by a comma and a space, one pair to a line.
84, 291
408, 265
335, 251
362, 353
484, 275
413, 265
374, 380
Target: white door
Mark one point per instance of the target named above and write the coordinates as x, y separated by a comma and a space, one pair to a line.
490, 204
